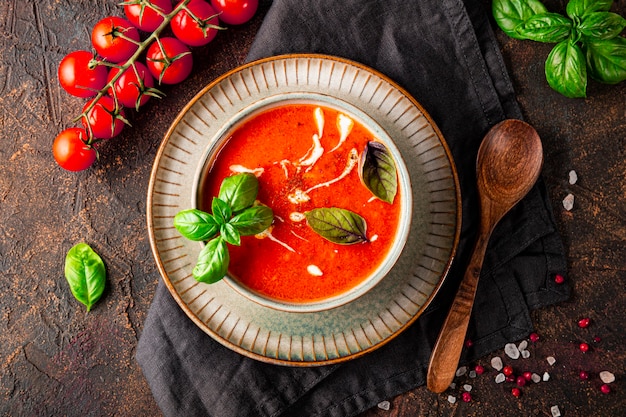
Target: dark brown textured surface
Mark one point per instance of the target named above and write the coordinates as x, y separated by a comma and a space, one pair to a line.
56, 360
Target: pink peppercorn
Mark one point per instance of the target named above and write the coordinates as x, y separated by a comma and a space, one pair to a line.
466, 396
510, 378
469, 343
584, 347
559, 279
516, 392
584, 375
507, 370
597, 339
534, 337
583, 323
479, 369
521, 381
605, 388
528, 375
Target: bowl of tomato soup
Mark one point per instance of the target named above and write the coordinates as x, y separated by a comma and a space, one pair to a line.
306, 151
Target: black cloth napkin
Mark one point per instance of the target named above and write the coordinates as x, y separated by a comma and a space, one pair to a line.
444, 53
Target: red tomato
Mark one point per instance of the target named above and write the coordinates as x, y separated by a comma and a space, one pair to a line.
115, 39
141, 14
104, 120
171, 62
71, 151
192, 32
235, 12
77, 78
132, 86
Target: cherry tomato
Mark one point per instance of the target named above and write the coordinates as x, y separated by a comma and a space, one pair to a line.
104, 120
77, 78
191, 31
115, 39
170, 62
140, 14
235, 12
71, 151
132, 86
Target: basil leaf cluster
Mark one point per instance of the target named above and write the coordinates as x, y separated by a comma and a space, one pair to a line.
588, 41
234, 213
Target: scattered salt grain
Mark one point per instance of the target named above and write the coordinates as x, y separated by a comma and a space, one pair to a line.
535, 378
551, 360
568, 202
573, 177
452, 385
555, 411
525, 354
546, 377
384, 405
500, 378
467, 387
511, 351
496, 363
472, 374
451, 399
461, 371
523, 345
607, 377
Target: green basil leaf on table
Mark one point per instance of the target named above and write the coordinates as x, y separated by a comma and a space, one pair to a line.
195, 224
85, 273
221, 210
606, 59
579, 8
239, 191
212, 263
545, 27
230, 234
511, 13
601, 25
253, 220
378, 171
337, 225
566, 70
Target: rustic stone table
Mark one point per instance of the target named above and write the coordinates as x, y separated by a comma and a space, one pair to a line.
58, 360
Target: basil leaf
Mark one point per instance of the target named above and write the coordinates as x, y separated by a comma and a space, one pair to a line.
221, 210
511, 13
545, 27
566, 70
579, 8
85, 273
606, 59
212, 262
195, 224
239, 191
253, 220
601, 25
337, 225
230, 234
378, 171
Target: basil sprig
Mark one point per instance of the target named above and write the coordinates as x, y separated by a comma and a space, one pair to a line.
588, 40
235, 213
85, 273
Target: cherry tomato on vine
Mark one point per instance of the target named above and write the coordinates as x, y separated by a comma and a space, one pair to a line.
235, 12
169, 61
191, 31
141, 14
134, 87
105, 120
71, 151
78, 78
115, 39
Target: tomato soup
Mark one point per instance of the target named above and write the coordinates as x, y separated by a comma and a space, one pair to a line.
305, 156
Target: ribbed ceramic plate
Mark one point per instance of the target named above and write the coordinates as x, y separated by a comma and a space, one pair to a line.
292, 337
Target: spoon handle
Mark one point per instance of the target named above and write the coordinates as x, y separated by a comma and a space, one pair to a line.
447, 351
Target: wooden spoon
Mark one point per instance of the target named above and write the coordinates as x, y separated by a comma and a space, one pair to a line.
508, 165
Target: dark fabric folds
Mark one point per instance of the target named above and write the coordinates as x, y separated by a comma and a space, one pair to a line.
444, 53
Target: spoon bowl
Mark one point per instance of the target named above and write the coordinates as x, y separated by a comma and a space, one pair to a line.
508, 165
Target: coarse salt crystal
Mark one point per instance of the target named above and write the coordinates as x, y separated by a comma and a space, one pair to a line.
500, 378
472, 374
607, 377
461, 371
384, 405
467, 387
451, 399
452, 385
511, 351
573, 177
523, 345
555, 411
546, 377
551, 360
535, 378
525, 354
568, 202
496, 363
